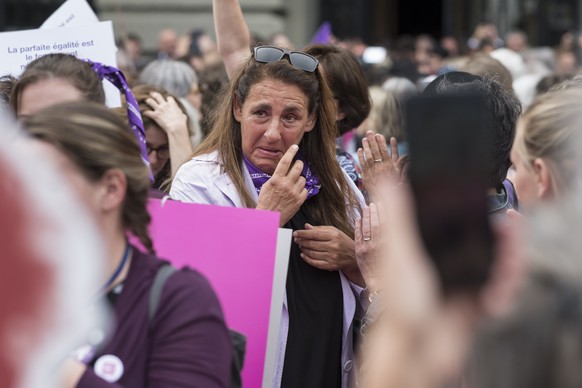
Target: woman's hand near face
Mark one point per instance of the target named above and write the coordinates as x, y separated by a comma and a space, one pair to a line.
166, 113
377, 164
170, 118
330, 249
285, 191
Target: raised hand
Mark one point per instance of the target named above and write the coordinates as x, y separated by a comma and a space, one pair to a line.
368, 238
172, 120
377, 164
166, 113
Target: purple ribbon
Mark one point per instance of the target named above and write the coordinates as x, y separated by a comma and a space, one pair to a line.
259, 177
116, 77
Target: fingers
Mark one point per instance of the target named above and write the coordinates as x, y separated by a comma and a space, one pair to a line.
286, 161
157, 97
358, 230
149, 113
362, 160
295, 172
374, 147
366, 224
368, 156
381, 140
156, 101
394, 150
299, 184
314, 250
317, 233
374, 222
321, 264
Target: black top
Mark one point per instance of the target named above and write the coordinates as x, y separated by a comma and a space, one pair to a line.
315, 304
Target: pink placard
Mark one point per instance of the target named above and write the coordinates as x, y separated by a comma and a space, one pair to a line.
235, 249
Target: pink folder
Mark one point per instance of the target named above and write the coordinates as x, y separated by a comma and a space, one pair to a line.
235, 249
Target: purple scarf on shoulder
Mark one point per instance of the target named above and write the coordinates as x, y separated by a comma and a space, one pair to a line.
312, 183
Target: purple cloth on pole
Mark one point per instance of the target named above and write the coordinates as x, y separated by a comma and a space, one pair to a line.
116, 77
323, 34
259, 178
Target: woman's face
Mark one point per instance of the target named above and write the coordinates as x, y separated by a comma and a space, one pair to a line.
157, 147
87, 191
274, 117
48, 92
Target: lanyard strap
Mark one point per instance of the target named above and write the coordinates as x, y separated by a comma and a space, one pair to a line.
119, 268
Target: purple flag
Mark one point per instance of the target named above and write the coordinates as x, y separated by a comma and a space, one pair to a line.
323, 34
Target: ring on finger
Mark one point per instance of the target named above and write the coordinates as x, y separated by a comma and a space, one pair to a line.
378, 160
367, 238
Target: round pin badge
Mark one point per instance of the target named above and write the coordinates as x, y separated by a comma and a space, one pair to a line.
109, 368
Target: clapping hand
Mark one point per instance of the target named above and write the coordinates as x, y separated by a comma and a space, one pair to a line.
377, 164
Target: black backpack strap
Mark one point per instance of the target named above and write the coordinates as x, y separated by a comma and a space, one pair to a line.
164, 272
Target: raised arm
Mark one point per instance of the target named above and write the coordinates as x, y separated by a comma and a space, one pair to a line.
232, 33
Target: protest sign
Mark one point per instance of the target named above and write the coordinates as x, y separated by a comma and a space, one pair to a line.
71, 13
245, 257
95, 42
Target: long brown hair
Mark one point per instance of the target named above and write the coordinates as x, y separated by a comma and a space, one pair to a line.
330, 206
96, 140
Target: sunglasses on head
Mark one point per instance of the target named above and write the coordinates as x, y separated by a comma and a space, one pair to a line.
268, 54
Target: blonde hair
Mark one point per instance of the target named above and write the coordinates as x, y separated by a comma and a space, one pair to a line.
386, 116
549, 130
96, 140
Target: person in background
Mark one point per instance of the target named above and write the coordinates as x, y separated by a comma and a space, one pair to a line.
6, 85
212, 80
546, 316
52, 79
486, 66
180, 80
186, 343
167, 44
386, 118
503, 111
168, 133
44, 233
281, 40
131, 47
516, 40
352, 98
550, 81
542, 153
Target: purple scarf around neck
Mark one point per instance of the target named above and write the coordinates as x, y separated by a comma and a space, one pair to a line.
312, 183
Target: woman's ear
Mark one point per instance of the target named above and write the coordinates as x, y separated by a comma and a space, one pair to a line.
311, 122
236, 109
544, 179
113, 188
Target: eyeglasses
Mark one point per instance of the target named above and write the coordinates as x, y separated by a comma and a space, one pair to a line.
301, 60
163, 151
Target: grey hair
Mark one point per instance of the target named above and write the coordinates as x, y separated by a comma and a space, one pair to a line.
174, 76
401, 88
